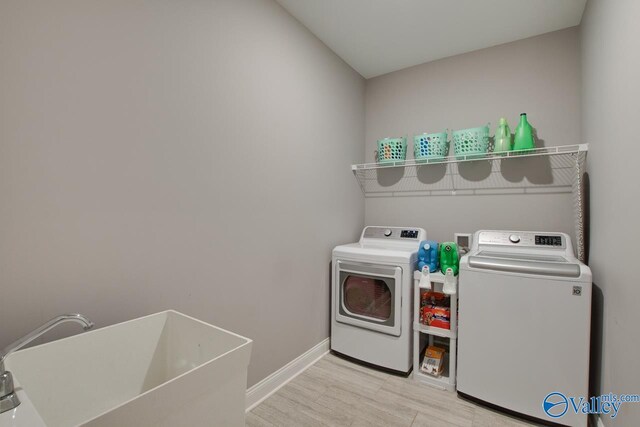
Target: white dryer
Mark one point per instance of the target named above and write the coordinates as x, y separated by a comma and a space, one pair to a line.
371, 309
524, 326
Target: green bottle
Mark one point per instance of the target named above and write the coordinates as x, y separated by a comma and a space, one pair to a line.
502, 139
449, 257
524, 135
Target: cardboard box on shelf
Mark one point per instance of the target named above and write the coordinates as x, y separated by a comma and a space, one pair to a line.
433, 363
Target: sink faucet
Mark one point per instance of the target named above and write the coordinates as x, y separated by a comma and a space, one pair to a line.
8, 399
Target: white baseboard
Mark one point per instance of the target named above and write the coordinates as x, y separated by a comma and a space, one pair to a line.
265, 388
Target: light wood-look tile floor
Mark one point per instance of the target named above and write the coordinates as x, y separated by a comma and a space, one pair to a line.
336, 392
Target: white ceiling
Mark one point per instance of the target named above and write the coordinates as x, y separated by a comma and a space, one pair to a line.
379, 36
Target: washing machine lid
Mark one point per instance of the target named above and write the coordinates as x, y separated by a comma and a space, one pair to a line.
524, 252
522, 256
520, 263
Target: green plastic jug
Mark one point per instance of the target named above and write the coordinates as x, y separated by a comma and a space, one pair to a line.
524, 135
502, 140
449, 257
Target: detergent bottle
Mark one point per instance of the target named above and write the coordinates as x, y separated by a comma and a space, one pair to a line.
524, 135
449, 257
502, 141
428, 255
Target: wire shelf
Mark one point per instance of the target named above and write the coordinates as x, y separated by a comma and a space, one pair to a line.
545, 151
543, 170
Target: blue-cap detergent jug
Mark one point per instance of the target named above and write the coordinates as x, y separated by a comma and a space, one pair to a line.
428, 255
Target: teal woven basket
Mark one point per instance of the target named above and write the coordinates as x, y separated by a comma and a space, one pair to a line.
392, 150
473, 141
430, 146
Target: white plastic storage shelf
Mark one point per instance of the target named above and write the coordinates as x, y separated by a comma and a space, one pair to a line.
447, 381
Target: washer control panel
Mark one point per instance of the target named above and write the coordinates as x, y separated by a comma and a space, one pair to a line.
400, 233
519, 238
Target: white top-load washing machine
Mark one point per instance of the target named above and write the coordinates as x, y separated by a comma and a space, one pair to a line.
371, 297
524, 326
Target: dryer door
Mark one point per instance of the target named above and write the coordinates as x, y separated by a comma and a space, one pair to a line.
369, 296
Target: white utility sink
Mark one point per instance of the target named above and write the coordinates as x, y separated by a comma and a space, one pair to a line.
166, 369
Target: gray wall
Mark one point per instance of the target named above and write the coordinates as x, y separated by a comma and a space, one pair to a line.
610, 62
174, 154
539, 75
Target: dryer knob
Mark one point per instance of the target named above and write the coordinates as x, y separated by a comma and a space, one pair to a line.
387, 232
514, 238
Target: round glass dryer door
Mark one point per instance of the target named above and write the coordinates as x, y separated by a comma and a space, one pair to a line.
368, 297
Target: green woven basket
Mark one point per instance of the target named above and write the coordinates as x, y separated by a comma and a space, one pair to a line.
392, 150
471, 141
430, 146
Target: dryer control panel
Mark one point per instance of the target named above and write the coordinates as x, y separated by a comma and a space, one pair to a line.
394, 233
